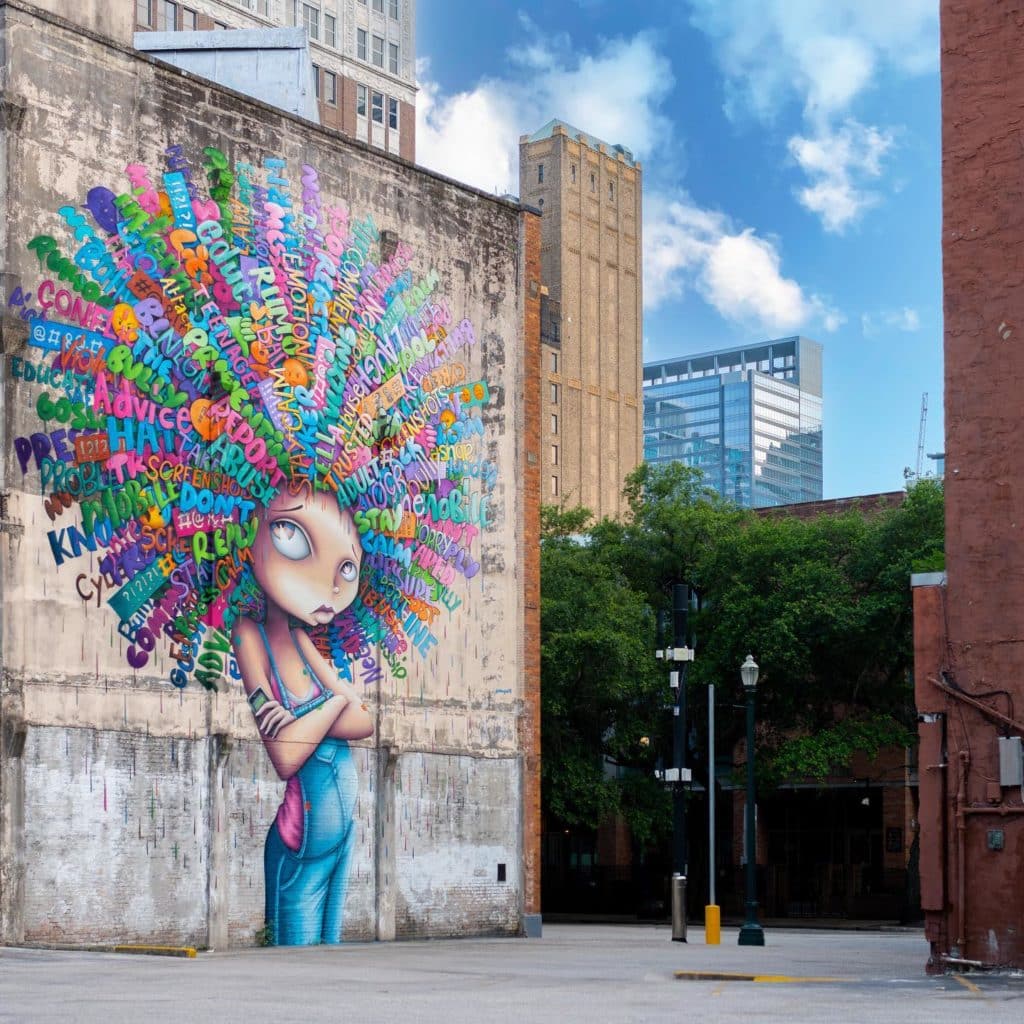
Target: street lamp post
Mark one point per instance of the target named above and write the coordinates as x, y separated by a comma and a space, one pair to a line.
751, 934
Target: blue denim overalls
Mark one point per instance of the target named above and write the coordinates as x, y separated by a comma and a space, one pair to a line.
305, 888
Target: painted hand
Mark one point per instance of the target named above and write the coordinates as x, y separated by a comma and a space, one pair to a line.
272, 718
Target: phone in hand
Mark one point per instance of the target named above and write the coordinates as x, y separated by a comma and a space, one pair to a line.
257, 699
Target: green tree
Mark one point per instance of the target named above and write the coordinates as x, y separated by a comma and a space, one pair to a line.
825, 606
601, 694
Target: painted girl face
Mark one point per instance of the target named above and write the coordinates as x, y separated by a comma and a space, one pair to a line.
306, 556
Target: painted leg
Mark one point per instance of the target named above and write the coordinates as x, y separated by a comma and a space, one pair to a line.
296, 894
334, 911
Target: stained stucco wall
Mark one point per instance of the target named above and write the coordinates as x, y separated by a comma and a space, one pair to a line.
134, 811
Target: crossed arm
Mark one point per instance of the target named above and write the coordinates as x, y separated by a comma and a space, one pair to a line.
289, 740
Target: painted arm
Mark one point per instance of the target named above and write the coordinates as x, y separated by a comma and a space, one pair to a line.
289, 740
354, 723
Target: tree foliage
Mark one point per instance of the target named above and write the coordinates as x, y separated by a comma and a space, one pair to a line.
823, 604
601, 694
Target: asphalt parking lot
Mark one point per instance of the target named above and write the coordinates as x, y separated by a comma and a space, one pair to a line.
620, 973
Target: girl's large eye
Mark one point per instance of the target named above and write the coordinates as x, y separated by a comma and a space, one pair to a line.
290, 539
349, 571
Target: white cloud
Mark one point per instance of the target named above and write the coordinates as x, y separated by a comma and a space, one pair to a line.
905, 319
614, 93
824, 55
838, 163
734, 270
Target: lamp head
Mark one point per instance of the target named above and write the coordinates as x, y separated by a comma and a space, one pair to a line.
748, 672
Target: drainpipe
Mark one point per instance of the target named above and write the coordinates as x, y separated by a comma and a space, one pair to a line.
961, 852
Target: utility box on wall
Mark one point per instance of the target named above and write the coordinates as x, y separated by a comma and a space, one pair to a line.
1011, 761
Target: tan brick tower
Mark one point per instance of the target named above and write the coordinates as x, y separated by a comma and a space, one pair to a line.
589, 195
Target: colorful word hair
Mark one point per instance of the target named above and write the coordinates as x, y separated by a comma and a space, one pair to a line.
210, 344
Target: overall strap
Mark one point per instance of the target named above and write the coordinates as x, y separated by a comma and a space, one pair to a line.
276, 682
313, 677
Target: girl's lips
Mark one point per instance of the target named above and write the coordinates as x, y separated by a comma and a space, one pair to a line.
322, 615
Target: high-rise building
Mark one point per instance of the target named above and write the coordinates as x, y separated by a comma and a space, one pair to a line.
364, 55
588, 192
749, 418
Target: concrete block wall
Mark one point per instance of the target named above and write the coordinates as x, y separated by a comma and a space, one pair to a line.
167, 794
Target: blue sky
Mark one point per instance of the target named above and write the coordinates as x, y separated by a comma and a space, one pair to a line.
791, 153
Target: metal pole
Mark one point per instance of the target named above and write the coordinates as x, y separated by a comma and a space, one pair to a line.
751, 934
680, 612
711, 793
712, 912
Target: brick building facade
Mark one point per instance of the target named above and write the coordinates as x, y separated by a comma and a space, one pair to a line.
364, 55
589, 195
969, 655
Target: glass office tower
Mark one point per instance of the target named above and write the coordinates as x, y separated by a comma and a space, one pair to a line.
749, 418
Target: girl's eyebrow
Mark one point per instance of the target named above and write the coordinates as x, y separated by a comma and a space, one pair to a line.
294, 508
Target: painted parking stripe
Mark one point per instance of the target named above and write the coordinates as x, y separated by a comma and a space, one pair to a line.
769, 979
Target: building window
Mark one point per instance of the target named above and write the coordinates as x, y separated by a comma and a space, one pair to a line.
189, 20
330, 30
572, 171
378, 6
220, 25
393, 113
361, 100
377, 107
554, 455
361, 43
393, 58
378, 51
593, 182
554, 394
144, 13
168, 15
554, 487
554, 362
393, 9
316, 80
540, 174
331, 88
554, 423
611, 190
311, 21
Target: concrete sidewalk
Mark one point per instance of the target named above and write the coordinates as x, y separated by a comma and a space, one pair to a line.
585, 973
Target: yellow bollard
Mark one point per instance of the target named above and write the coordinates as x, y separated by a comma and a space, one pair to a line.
712, 925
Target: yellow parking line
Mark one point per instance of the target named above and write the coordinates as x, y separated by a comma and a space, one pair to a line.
185, 951
969, 985
771, 979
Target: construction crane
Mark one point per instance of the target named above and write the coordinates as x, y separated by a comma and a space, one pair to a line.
920, 434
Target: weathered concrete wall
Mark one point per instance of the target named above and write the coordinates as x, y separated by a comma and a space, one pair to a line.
108, 18
969, 647
134, 811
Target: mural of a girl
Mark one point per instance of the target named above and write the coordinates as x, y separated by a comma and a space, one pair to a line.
306, 560
293, 396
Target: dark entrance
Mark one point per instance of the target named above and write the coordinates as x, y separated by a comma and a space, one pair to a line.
825, 855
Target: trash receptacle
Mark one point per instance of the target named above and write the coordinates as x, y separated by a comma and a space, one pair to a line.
678, 907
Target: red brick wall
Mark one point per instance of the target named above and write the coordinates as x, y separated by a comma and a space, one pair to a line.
529, 722
347, 102
983, 278
407, 130
866, 503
